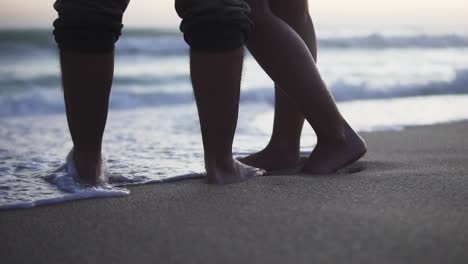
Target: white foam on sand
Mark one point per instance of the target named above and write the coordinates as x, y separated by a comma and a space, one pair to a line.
66, 178
141, 150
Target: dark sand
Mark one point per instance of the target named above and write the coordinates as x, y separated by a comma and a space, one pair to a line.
405, 202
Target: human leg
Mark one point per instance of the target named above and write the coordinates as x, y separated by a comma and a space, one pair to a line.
86, 31
216, 82
294, 70
216, 32
288, 119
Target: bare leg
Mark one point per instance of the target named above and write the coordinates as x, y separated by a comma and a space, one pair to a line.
87, 80
288, 120
216, 83
294, 70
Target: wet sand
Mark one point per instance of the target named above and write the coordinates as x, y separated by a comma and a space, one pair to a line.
405, 202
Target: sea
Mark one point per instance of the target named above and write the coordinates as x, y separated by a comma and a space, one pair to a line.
382, 80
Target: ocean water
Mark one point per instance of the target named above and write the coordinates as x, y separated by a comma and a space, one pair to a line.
382, 80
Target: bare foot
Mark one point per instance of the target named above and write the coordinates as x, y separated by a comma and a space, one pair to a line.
272, 159
235, 172
328, 157
88, 165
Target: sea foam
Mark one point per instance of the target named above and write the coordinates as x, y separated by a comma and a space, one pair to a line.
66, 179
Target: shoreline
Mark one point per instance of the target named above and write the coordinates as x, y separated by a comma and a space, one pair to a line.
404, 202
104, 191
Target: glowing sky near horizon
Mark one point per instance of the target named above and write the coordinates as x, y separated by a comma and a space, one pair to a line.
160, 13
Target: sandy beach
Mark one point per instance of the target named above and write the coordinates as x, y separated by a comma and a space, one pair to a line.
405, 202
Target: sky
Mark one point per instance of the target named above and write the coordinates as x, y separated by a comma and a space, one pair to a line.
161, 14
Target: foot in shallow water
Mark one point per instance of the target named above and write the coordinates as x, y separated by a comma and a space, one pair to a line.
273, 159
330, 156
88, 166
233, 173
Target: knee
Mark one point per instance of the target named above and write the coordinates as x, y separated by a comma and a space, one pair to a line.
88, 25
216, 25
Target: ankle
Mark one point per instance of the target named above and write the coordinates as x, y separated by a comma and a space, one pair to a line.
283, 147
337, 137
224, 163
87, 154
88, 165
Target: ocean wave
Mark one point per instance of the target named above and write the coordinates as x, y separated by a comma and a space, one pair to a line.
44, 101
153, 45
170, 43
343, 91
17, 83
9, 83
377, 40
175, 45
15, 43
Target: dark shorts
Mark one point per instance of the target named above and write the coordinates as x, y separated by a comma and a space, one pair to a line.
95, 25
88, 25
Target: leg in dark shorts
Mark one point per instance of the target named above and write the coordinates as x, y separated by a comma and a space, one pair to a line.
214, 25
86, 31
216, 31
88, 25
